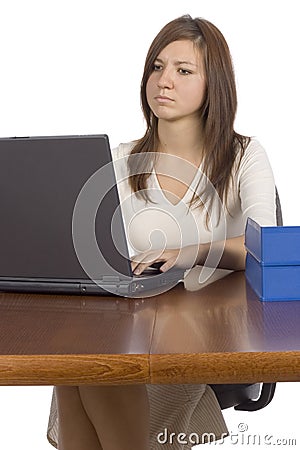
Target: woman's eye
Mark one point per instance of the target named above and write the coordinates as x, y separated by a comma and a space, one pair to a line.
157, 67
184, 72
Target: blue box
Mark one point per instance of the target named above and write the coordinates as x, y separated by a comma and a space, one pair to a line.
273, 245
273, 261
273, 283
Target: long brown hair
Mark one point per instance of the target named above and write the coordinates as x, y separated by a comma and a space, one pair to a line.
221, 143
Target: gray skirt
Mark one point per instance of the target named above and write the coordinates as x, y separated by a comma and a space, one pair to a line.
180, 416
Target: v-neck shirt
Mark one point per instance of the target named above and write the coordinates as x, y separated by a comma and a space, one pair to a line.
160, 223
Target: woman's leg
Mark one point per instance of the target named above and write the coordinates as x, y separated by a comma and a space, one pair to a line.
119, 414
76, 431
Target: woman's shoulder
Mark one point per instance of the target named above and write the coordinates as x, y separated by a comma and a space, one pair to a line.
119, 157
254, 150
122, 150
254, 145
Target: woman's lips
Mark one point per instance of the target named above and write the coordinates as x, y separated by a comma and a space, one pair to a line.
163, 99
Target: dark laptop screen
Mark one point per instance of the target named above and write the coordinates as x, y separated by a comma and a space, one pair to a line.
40, 180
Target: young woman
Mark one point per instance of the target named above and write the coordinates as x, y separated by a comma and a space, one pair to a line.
187, 187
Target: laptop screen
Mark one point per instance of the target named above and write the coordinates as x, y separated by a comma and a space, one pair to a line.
40, 181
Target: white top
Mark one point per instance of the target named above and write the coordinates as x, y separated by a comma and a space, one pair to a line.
156, 225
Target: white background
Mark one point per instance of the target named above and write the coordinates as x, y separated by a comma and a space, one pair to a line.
73, 67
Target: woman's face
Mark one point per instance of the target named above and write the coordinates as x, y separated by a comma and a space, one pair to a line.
176, 87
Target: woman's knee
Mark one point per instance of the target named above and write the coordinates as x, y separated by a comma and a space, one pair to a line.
67, 397
114, 397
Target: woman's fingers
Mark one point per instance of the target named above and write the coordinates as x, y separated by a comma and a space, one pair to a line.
141, 267
146, 259
143, 261
184, 258
168, 264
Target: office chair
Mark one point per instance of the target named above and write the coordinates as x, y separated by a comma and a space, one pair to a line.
248, 397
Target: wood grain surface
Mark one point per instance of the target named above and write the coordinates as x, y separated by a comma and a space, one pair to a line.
221, 333
213, 368
74, 369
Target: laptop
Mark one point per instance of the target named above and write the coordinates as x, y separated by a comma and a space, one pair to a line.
61, 227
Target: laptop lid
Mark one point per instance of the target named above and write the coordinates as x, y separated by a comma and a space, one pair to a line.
41, 179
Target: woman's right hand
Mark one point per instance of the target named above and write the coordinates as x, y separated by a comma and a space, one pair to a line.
184, 258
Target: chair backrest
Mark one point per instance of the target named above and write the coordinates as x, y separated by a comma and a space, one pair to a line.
279, 219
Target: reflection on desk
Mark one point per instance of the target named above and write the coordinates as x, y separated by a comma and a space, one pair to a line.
219, 334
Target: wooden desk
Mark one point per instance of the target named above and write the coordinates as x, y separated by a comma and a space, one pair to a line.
219, 334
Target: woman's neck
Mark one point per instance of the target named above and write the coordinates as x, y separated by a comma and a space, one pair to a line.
181, 139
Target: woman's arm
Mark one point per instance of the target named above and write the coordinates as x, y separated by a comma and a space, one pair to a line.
233, 255
228, 254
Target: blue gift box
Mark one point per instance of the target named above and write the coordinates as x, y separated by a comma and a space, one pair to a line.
273, 261
273, 283
276, 246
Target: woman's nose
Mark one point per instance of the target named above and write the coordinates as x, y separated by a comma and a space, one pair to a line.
165, 80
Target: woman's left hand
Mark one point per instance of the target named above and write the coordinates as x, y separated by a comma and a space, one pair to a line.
183, 258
